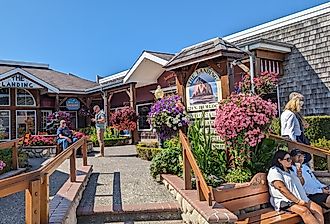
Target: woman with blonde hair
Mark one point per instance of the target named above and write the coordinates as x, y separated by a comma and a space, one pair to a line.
291, 127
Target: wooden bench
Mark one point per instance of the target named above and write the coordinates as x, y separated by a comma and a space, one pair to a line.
254, 197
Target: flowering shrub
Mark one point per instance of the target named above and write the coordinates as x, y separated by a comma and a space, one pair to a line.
124, 119
242, 121
167, 116
39, 140
2, 165
263, 83
53, 121
78, 135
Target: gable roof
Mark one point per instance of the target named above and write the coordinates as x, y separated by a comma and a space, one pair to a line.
165, 56
54, 79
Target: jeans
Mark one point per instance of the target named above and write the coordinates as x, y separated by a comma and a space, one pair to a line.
65, 143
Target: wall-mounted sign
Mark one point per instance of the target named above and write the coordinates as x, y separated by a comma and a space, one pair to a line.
19, 81
203, 90
72, 104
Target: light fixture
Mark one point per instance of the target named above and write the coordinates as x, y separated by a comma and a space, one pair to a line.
159, 93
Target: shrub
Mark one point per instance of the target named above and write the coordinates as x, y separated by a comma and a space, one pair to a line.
6, 158
169, 160
53, 121
147, 153
167, 116
23, 159
238, 175
78, 134
124, 119
322, 143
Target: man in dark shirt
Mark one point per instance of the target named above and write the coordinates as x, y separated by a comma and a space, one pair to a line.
64, 135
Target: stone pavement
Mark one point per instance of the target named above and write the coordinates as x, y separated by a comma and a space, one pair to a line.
121, 184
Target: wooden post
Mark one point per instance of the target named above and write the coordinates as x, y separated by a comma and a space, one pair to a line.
199, 190
84, 152
73, 171
186, 172
32, 203
328, 163
44, 200
14, 157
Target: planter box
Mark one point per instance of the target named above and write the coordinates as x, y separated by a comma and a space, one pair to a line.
39, 151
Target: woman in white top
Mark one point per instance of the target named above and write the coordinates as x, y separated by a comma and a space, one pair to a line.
290, 126
287, 192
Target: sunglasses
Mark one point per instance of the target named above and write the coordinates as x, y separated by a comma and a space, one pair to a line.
288, 159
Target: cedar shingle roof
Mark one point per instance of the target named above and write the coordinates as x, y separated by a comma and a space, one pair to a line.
212, 48
165, 56
62, 81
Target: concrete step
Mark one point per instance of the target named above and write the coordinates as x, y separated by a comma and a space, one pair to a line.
139, 213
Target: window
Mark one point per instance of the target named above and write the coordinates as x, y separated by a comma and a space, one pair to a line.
269, 66
4, 97
25, 122
4, 125
24, 98
143, 111
73, 119
44, 115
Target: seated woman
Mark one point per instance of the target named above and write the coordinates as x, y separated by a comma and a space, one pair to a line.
64, 135
315, 190
287, 192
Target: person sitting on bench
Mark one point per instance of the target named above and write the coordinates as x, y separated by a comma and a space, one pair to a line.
64, 135
287, 193
315, 190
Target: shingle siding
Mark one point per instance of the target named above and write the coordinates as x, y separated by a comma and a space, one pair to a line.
307, 67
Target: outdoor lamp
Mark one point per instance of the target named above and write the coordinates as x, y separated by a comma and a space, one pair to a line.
159, 93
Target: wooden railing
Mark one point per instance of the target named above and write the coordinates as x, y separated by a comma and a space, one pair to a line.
13, 146
306, 148
36, 183
190, 164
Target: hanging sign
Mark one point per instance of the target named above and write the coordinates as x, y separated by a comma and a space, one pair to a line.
19, 81
72, 104
203, 90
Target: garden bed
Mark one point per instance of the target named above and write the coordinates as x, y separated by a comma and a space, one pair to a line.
114, 142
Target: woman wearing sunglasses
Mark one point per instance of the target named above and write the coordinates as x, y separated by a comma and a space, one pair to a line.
287, 193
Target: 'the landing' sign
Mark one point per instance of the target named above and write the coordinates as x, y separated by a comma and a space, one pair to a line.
18, 81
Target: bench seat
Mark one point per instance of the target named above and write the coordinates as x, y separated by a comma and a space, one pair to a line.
268, 215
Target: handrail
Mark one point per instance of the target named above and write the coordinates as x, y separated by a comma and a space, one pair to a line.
13, 146
305, 148
189, 162
36, 183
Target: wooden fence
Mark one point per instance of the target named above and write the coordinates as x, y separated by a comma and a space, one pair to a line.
190, 164
36, 183
13, 146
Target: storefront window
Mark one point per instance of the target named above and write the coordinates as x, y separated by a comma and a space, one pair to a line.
25, 122
142, 111
4, 97
4, 125
24, 98
44, 115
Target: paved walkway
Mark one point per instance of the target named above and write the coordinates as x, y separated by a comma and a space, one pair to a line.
121, 182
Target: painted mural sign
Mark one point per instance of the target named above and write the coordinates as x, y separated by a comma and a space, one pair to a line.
18, 81
203, 90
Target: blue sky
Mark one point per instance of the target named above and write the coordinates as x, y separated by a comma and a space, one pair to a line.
102, 37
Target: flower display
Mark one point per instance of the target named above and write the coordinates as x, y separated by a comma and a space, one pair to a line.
124, 119
167, 116
78, 134
39, 140
2, 165
263, 83
242, 120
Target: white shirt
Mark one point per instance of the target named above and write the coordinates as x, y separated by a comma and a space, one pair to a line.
290, 180
290, 125
312, 185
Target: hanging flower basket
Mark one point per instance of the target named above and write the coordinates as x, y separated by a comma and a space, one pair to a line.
167, 116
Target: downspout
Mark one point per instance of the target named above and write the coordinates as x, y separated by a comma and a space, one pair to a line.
251, 68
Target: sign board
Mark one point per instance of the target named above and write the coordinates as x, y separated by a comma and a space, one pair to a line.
72, 104
203, 90
19, 81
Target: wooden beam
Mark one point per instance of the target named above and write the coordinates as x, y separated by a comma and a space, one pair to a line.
32, 203
215, 67
14, 157
63, 100
57, 102
270, 55
44, 199
73, 171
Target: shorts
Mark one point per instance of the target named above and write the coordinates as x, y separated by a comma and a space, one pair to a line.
319, 198
285, 205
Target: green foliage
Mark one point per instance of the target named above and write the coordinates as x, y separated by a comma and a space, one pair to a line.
23, 159
318, 127
169, 160
148, 144
111, 136
111, 141
6, 157
147, 153
238, 175
322, 143
210, 159
320, 163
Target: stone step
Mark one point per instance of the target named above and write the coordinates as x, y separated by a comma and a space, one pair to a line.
149, 222
139, 213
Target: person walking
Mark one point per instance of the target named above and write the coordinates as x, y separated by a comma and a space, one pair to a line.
100, 124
